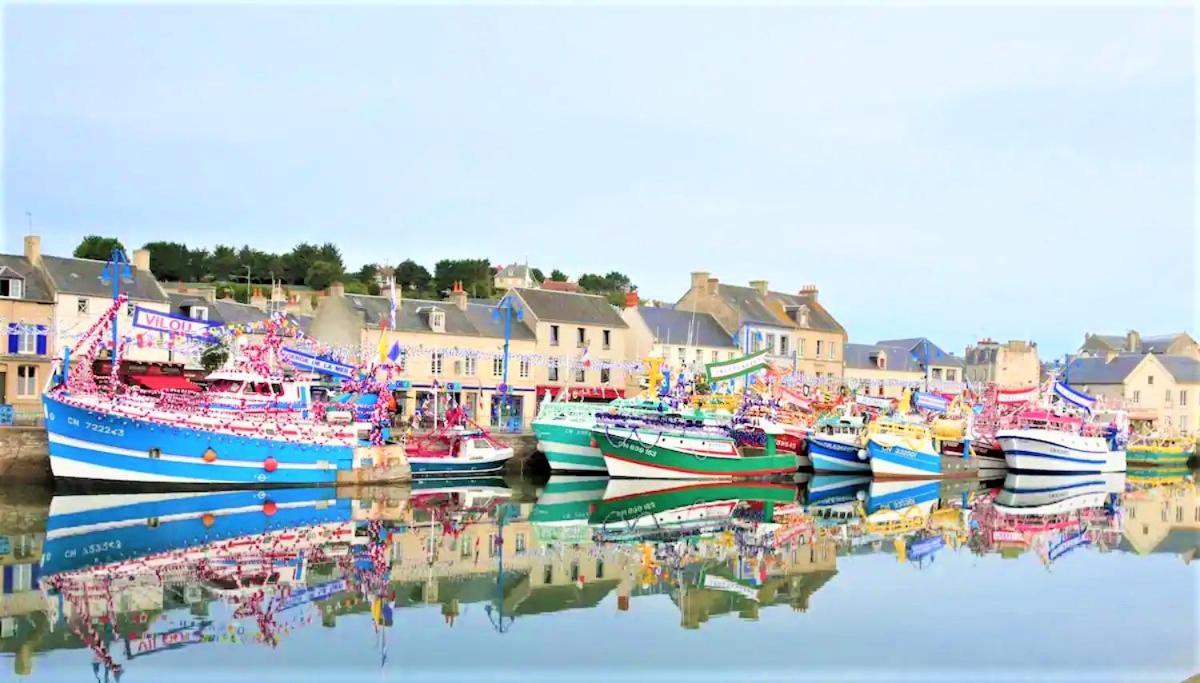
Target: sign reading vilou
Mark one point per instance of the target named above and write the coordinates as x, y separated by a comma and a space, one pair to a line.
737, 367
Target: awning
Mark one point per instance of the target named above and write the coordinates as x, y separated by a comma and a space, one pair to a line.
164, 382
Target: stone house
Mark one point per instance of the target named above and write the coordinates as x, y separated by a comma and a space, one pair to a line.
1013, 364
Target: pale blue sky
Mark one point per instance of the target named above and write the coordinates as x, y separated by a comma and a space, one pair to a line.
950, 172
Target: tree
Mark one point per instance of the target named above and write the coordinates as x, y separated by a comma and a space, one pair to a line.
537, 274
329, 252
474, 274
198, 264
368, 272
321, 274
214, 356
558, 276
297, 262
353, 286
414, 278
224, 262
169, 260
97, 247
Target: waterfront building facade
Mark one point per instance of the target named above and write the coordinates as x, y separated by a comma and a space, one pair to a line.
27, 321
1160, 387
1013, 364
682, 339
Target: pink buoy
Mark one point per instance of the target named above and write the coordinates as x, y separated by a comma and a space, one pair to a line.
270, 464
269, 508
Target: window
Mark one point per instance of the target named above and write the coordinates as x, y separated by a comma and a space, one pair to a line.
548, 573
552, 371
200, 312
770, 338
607, 337
832, 347
11, 288
682, 355
129, 309
729, 355
435, 363
604, 375
27, 339
1179, 514
1167, 399
1183, 424
575, 568
800, 347
818, 348
1137, 396
937, 373
26, 380
521, 543
580, 339
580, 375
554, 335
712, 356
81, 305
469, 365
783, 345
466, 547
1149, 379
437, 320
1183, 397
951, 375
600, 566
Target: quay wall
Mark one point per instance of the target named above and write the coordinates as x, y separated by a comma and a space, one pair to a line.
24, 455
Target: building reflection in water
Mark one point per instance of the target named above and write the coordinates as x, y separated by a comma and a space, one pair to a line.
128, 576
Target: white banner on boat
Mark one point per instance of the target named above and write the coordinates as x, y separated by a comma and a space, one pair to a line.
729, 369
171, 324
873, 401
723, 584
1016, 395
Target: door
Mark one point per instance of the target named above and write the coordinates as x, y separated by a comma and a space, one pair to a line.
3, 387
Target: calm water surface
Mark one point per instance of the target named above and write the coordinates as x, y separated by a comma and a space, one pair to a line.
1077, 578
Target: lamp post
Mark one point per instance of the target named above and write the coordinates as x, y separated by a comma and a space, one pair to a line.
117, 270
508, 310
498, 617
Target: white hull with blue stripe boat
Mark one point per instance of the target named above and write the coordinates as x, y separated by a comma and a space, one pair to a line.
893, 455
1052, 450
1046, 494
837, 453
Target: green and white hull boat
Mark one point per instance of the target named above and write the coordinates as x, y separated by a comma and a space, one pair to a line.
563, 507
634, 509
646, 453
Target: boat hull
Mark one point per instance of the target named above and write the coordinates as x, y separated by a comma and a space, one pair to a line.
88, 444
1154, 456
894, 460
1046, 450
632, 457
569, 447
459, 466
830, 454
1044, 494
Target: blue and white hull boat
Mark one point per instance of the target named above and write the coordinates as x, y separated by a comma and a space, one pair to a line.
1044, 494
901, 495
891, 455
837, 453
457, 452
1052, 450
94, 437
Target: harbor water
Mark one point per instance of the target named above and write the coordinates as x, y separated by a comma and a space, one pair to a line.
826, 578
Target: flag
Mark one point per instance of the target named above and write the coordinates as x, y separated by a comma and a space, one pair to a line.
382, 342
394, 353
392, 283
584, 359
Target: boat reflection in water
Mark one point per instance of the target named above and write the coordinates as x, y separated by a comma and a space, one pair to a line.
137, 576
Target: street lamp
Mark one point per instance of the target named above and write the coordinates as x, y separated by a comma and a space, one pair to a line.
507, 309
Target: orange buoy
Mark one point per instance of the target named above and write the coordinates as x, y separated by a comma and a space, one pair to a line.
270, 464
269, 508
208, 519
210, 455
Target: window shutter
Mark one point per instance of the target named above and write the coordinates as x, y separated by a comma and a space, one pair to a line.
41, 340
14, 339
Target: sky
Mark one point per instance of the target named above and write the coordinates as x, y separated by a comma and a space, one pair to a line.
950, 172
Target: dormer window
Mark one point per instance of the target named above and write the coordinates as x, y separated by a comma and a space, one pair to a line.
437, 320
881, 361
199, 313
11, 287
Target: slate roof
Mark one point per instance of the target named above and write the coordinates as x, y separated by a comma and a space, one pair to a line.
1184, 369
36, 287
1160, 343
750, 306
514, 270
412, 315
227, 311
566, 307
1177, 542
937, 355
82, 276
898, 359
819, 318
671, 326
1102, 370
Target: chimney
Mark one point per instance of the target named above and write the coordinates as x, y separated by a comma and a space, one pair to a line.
337, 289
631, 299
458, 296
809, 291
710, 287
1133, 342
33, 250
141, 259
760, 286
699, 278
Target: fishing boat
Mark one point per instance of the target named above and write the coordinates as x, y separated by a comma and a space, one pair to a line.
901, 495
563, 507
1159, 450
1050, 439
459, 450
903, 449
665, 448
835, 445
